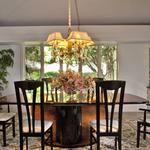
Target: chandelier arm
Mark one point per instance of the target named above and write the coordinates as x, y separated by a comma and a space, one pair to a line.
77, 12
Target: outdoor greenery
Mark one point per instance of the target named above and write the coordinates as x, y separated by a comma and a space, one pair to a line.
90, 58
109, 58
51, 74
32, 62
6, 60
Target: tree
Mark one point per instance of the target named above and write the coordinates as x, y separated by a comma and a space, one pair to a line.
32, 58
91, 58
108, 56
6, 60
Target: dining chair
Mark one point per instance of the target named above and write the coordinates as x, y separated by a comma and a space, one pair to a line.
143, 124
110, 125
30, 95
50, 91
7, 120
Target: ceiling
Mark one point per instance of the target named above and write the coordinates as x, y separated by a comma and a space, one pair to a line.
91, 12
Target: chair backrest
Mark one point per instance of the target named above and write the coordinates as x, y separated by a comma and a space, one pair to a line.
112, 93
29, 94
97, 79
48, 82
51, 92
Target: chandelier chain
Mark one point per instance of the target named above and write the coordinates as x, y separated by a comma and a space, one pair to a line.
77, 12
69, 16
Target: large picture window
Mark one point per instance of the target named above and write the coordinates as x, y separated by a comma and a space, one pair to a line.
97, 61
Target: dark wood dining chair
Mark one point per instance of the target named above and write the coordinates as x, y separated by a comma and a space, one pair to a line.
49, 89
30, 94
110, 125
7, 120
143, 125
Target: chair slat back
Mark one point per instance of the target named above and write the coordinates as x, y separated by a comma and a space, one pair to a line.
112, 93
30, 94
48, 82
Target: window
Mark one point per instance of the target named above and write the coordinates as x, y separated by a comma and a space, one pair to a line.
32, 62
109, 65
97, 60
102, 60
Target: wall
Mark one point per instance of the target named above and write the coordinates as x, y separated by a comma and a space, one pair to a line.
133, 67
14, 73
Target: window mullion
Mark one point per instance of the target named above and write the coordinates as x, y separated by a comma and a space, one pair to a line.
42, 61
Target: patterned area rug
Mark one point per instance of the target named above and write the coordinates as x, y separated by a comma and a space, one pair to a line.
128, 141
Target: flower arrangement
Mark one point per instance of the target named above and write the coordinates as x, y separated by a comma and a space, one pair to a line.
71, 82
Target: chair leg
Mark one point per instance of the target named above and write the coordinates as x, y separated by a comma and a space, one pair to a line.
144, 134
138, 135
13, 126
116, 139
4, 134
42, 142
21, 142
98, 143
51, 134
119, 143
26, 143
90, 138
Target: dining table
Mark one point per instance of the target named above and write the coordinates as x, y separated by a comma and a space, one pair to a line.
71, 118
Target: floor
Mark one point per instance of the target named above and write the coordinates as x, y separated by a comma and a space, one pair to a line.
126, 116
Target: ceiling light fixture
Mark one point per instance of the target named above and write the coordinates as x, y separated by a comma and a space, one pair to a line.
75, 38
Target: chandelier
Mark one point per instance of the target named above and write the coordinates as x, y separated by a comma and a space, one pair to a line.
75, 39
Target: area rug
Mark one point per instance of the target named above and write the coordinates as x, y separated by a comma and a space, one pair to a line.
128, 140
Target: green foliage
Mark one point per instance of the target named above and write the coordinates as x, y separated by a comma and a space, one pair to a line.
90, 74
6, 60
101, 59
32, 53
47, 55
32, 58
32, 74
91, 57
108, 56
51, 74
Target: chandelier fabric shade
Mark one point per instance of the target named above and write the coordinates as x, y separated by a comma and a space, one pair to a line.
82, 37
54, 38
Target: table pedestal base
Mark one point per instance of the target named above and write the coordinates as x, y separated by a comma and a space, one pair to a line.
56, 113
68, 125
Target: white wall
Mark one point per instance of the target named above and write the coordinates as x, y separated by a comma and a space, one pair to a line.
134, 67
14, 73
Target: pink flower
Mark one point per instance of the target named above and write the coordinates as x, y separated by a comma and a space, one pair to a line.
71, 81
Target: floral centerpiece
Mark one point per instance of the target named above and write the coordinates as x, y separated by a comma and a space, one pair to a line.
71, 82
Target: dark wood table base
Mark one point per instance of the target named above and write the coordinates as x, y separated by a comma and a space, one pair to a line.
68, 124
84, 114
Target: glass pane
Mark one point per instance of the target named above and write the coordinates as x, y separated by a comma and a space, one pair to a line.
32, 62
90, 62
109, 62
96, 61
51, 66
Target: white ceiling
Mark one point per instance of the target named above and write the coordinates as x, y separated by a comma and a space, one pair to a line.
91, 12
